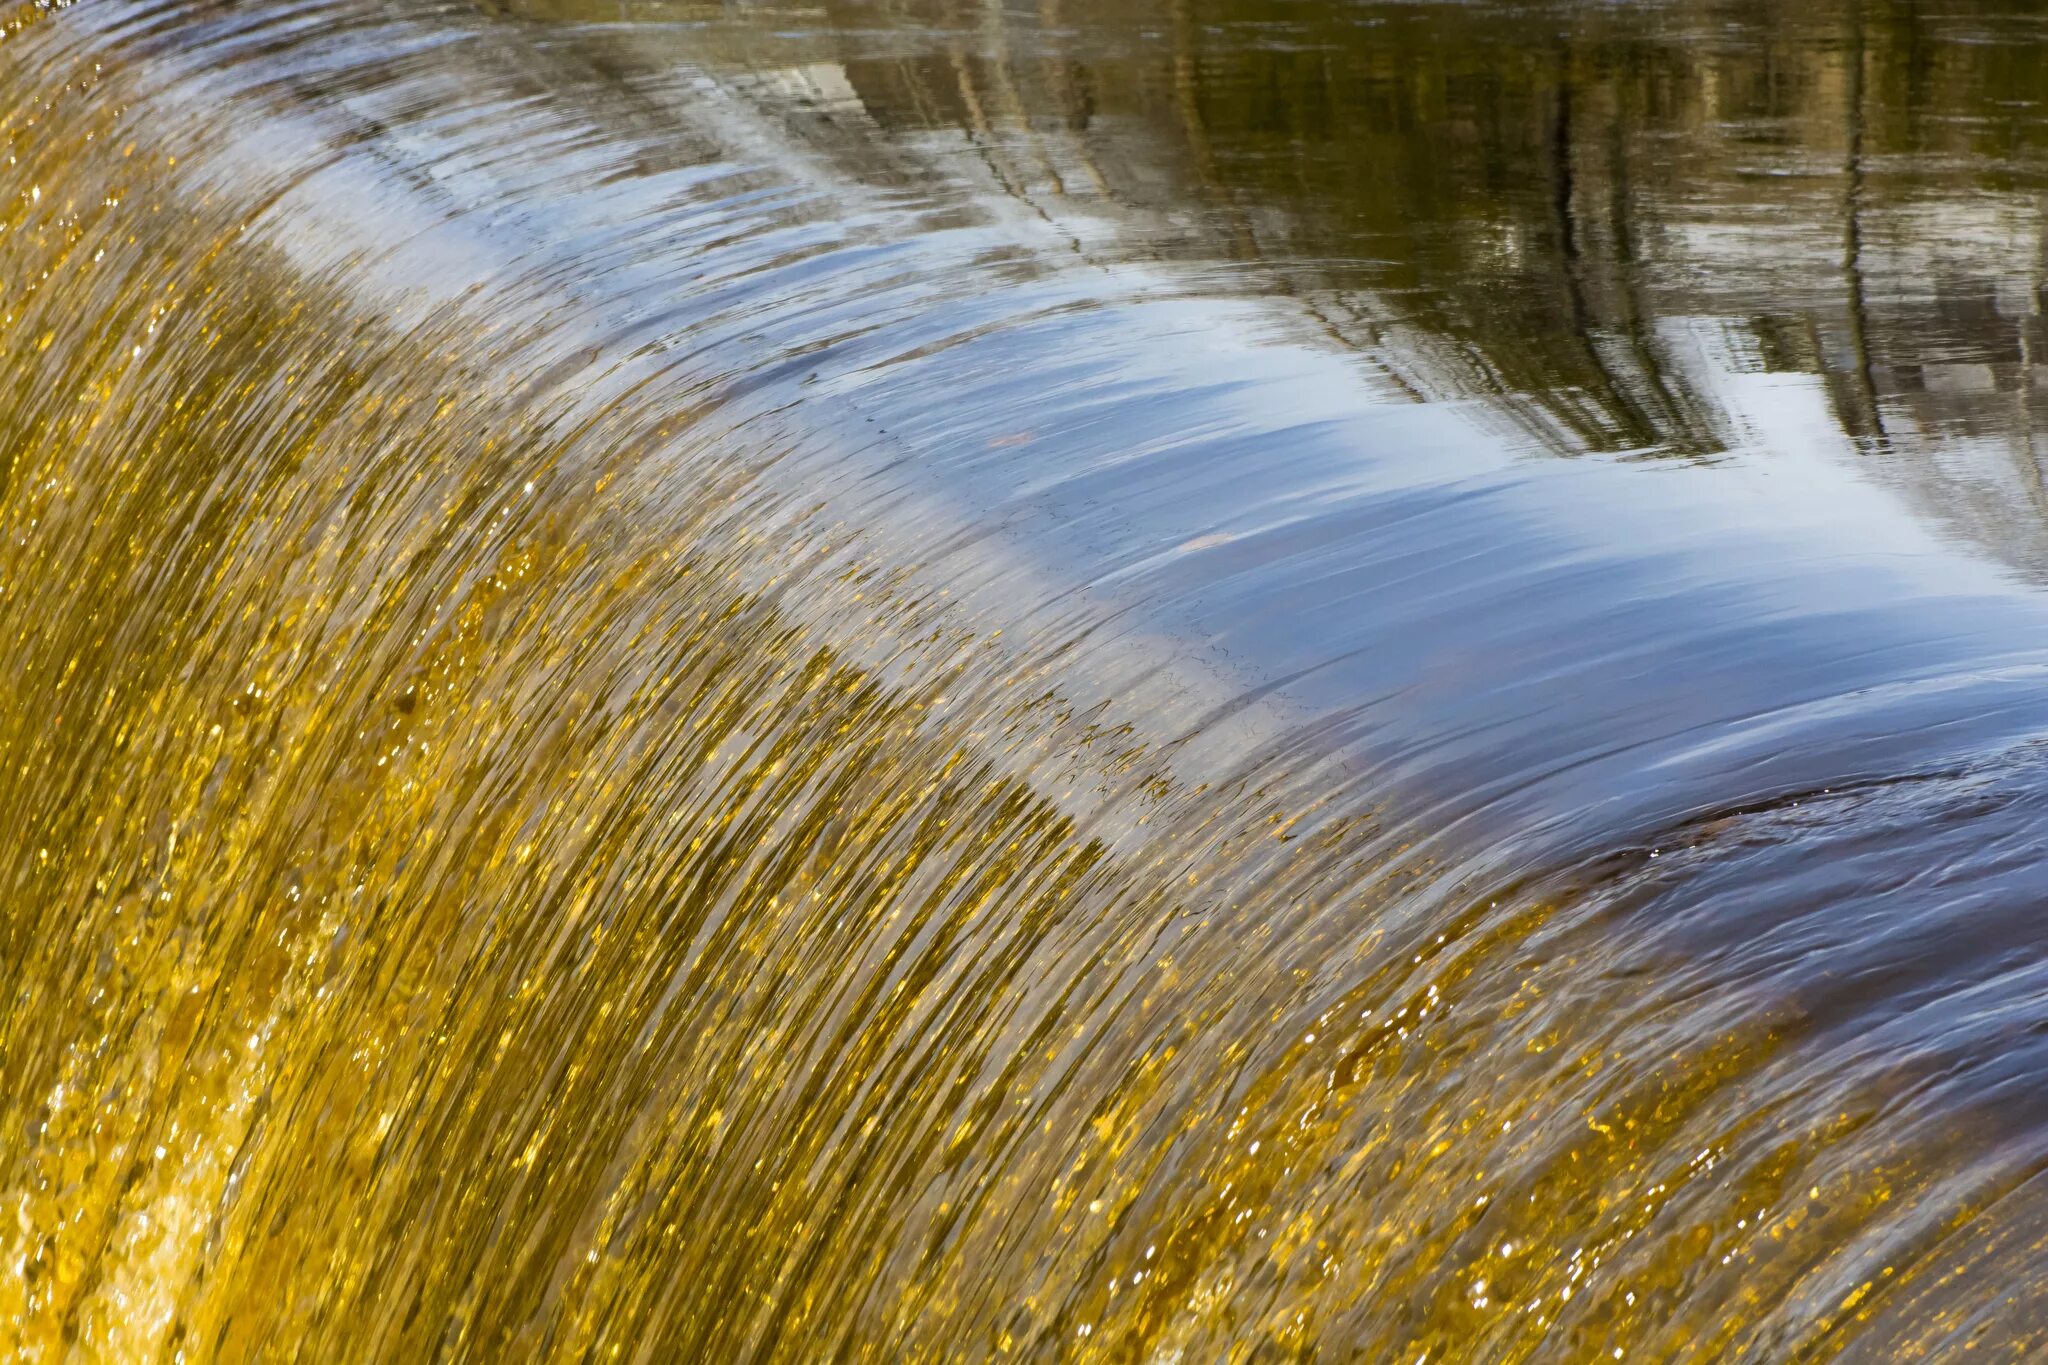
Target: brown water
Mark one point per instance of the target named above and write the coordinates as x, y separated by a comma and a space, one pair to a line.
1172, 680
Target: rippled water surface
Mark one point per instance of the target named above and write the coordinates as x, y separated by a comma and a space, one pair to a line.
1154, 680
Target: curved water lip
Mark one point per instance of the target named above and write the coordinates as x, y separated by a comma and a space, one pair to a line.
1286, 541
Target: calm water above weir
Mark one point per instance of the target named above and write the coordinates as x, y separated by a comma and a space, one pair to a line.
1154, 680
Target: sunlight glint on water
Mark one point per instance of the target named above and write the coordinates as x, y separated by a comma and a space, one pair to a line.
915, 681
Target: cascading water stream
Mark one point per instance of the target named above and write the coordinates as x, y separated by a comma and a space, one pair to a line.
704, 688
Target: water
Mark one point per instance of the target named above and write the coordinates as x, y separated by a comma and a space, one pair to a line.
1165, 680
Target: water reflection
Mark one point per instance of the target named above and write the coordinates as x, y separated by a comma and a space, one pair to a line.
1662, 230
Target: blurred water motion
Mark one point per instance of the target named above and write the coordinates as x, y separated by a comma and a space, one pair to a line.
1168, 680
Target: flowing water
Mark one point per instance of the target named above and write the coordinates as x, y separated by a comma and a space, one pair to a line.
1155, 680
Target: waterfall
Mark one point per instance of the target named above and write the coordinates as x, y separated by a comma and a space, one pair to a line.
636, 730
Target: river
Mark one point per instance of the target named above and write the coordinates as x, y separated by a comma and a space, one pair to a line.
1156, 680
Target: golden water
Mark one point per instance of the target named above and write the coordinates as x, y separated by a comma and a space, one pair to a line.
646, 717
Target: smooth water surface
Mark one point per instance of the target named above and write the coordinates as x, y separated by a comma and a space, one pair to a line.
1164, 680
